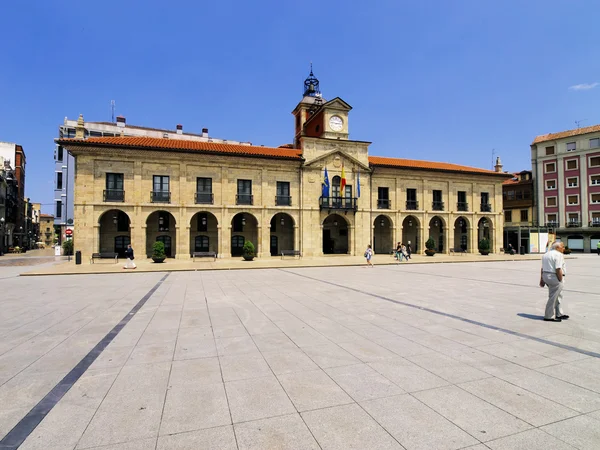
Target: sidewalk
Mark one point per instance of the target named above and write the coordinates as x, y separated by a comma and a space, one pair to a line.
176, 265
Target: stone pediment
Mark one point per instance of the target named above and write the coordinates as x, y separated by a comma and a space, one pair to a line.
337, 103
335, 159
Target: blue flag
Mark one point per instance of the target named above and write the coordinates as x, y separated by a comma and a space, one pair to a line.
326, 184
358, 183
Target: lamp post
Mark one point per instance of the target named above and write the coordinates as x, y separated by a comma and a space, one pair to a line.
2, 220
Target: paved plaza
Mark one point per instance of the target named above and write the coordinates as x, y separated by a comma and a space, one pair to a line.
423, 356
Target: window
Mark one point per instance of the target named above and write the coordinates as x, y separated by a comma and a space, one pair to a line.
204, 190
237, 245
595, 161
510, 195
595, 198
508, 216
438, 204
114, 181
201, 244
524, 215
163, 221
462, 201
550, 185
59, 178
383, 198
58, 208
572, 164
572, 182
59, 153
550, 201
573, 217
160, 183
244, 192
572, 199
595, 180
550, 150
595, 143
283, 197
411, 199
550, 167
571, 146
551, 218
202, 223
485, 202
519, 195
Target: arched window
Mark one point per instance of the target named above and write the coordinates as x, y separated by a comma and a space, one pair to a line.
237, 245
201, 244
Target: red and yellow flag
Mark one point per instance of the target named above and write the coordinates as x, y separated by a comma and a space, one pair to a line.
343, 180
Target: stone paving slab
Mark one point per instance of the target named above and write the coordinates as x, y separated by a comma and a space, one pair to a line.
413, 356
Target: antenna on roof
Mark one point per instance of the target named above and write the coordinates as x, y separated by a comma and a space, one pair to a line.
493, 153
577, 122
112, 111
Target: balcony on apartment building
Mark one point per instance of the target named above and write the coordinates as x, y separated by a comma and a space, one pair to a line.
462, 206
384, 203
437, 206
412, 205
160, 197
204, 198
341, 203
114, 195
595, 222
486, 207
283, 200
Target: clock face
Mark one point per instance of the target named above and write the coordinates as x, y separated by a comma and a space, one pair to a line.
336, 123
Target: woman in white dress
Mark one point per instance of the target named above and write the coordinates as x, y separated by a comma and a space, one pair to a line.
129, 255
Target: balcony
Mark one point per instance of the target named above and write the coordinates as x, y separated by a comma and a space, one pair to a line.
462, 206
595, 223
412, 205
204, 198
437, 206
244, 199
342, 203
486, 207
573, 224
384, 203
552, 224
160, 197
114, 195
283, 200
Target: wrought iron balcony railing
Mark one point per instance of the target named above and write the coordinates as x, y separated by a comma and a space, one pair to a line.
437, 206
412, 205
552, 224
486, 207
283, 200
244, 199
160, 197
574, 224
595, 223
204, 198
344, 203
114, 195
462, 206
384, 203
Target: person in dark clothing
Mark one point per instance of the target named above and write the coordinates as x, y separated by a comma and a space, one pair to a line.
408, 251
129, 255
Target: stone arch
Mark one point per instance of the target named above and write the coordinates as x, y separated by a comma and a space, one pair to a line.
485, 230
437, 231
244, 227
161, 226
410, 232
383, 234
335, 234
281, 233
204, 232
114, 232
462, 233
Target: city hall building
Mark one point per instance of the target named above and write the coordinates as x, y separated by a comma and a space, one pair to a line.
323, 194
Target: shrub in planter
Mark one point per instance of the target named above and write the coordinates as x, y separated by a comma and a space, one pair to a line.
484, 247
67, 247
248, 251
158, 252
430, 247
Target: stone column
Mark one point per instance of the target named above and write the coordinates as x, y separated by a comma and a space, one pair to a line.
296, 237
352, 240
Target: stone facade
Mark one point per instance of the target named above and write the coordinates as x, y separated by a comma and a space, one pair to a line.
293, 216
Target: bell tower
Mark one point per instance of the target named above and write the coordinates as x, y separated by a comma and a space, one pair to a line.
310, 104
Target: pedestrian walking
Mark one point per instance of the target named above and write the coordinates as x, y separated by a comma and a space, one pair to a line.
369, 255
408, 250
552, 276
129, 255
398, 255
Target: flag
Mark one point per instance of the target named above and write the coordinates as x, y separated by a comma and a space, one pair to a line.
343, 185
358, 183
325, 187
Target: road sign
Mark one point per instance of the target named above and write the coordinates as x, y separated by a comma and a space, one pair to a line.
69, 232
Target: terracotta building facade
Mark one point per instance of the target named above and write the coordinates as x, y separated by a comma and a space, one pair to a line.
324, 194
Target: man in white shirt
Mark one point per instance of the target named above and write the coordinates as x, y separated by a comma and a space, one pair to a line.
552, 276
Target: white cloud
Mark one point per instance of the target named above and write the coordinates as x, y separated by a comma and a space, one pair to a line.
583, 86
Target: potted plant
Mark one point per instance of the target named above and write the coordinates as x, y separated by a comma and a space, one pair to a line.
430, 247
567, 251
248, 251
158, 252
484, 246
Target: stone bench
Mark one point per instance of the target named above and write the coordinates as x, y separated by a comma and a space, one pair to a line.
95, 256
204, 255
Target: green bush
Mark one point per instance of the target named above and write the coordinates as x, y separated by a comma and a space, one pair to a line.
430, 244
248, 249
484, 245
158, 250
67, 247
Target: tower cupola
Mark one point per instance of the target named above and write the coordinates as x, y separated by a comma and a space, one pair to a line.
311, 85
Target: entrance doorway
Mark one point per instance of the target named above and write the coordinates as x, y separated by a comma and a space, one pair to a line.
335, 235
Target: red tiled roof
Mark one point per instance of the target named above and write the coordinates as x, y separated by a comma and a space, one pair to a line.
430, 165
46, 216
176, 144
513, 180
564, 134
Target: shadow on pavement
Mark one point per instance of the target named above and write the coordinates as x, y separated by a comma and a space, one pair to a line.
531, 316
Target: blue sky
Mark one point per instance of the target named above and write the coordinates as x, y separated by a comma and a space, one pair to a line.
438, 80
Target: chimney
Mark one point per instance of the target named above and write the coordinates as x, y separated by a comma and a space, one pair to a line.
179, 129
121, 121
498, 166
166, 135
204, 132
80, 128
